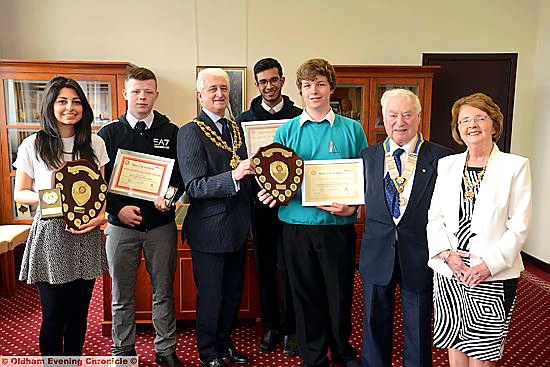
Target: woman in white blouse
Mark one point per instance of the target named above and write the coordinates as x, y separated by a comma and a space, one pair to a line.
62, 263
477, 224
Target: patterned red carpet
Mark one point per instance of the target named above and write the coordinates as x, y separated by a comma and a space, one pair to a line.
528, 344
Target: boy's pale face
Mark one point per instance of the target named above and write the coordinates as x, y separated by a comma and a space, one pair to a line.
316, 93
141, 96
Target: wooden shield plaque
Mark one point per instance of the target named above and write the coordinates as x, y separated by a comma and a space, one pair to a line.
83, 191
280, 171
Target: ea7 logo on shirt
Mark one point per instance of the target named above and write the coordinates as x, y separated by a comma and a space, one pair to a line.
161, 143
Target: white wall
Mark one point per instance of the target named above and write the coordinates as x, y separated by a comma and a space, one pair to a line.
540, 156
173, 36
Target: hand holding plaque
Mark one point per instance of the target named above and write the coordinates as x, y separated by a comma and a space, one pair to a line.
279, 171
83, 191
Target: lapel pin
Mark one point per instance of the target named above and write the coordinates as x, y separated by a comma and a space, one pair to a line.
423, 170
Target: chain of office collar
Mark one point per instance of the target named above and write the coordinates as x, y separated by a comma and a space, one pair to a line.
220, 143
471, 187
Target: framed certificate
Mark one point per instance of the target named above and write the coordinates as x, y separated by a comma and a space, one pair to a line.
140, 175
259, 133
333, 181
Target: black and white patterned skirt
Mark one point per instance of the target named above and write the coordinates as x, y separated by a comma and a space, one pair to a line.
473, 320
55, 256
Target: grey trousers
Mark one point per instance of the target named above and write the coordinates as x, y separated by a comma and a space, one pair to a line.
124, 248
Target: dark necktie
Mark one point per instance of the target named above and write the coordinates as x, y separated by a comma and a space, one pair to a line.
226, 135
392, 196
140, 127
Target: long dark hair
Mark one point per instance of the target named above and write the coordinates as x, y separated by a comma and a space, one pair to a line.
48, 144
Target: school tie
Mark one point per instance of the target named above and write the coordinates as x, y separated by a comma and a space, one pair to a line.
392, 196
140, 127
226, 135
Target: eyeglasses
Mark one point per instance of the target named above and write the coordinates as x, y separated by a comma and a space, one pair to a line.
273, 81
469, 120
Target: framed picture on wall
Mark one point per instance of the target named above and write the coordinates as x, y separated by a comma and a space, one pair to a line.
237, 87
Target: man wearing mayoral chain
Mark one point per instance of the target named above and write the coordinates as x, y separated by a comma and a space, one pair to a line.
216, 174
400, 174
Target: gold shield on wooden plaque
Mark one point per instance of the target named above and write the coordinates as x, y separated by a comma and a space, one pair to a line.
279, 170
83, 191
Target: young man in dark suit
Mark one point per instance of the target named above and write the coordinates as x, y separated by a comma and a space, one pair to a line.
400, 174
216, 174
271, 105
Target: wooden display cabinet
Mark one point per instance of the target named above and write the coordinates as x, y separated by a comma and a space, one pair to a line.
357, 95
21, 92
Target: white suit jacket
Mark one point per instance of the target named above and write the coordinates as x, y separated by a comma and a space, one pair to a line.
501, 217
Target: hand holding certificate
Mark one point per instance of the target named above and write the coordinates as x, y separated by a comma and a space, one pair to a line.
140, 175
333, 181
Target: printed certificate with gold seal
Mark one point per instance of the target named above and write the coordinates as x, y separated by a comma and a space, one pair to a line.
140, 175
258, 134
333, 181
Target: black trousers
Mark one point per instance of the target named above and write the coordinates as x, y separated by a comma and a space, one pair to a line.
378, 323
219, 280
277, 311
320, 262
64, 316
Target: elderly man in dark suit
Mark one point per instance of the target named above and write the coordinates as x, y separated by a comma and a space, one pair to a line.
215, 171
400, 176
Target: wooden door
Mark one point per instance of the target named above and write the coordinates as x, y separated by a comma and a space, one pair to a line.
464, 74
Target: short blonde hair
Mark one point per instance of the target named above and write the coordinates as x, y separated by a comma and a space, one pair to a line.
484, 103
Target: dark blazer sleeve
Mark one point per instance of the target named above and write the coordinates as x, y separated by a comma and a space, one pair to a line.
193, 162
176, 179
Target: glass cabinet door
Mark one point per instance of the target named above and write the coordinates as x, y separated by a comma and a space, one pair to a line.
350, 99
347, 100
98, 94
23, 100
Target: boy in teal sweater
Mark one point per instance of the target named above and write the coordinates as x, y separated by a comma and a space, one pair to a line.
319, 242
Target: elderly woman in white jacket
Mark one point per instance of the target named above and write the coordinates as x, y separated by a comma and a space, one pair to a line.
477, 224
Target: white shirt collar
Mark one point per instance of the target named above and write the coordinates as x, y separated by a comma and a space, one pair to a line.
276, 108
406, 147
132, 120
212, 115
305, 117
